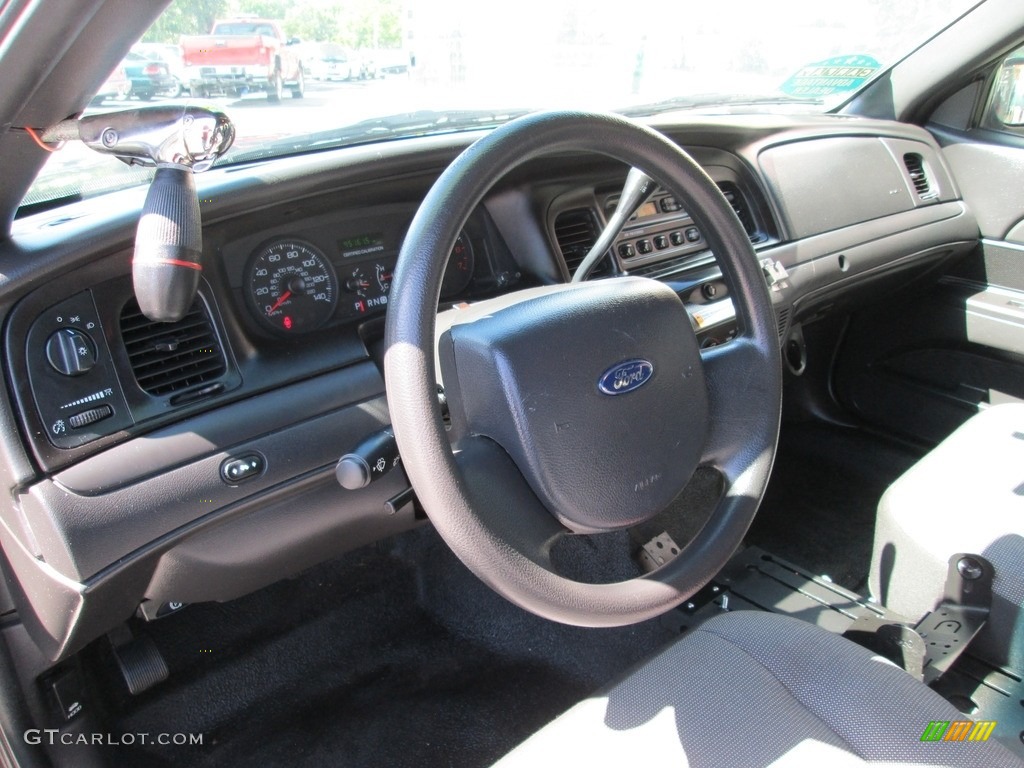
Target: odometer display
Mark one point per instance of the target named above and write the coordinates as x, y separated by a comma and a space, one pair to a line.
291, 286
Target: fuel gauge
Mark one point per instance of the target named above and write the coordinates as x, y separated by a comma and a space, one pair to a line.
357, 283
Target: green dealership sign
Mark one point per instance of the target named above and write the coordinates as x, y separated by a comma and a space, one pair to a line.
835, 75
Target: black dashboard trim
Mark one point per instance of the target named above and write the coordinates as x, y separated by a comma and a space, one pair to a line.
79, 536
192, 439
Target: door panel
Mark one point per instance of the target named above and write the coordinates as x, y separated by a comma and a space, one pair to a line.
922, 366
990, 179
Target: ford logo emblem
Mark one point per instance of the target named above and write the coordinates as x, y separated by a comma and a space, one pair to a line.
625, 377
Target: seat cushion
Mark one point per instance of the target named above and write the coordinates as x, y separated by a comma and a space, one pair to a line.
757, 689
966, 495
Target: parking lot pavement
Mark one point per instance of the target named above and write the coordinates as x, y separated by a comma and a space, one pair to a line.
325, 105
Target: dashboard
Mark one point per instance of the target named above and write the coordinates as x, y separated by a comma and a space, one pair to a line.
95, 369
168, 463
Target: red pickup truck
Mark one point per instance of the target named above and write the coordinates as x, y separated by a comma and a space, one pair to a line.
240, 56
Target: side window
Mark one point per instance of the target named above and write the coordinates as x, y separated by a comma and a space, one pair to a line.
1005, 108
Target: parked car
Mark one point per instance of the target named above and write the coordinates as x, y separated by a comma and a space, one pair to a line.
367, 61
242, 55
391, 61
170, 54
624, 385
333, 62
116, 87
150, 77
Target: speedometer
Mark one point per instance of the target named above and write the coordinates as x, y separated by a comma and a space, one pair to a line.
291, 286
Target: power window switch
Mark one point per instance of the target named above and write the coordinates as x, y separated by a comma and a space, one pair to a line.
235, 471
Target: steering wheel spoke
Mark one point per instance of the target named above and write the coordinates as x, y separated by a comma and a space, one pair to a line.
508, 509
742, 425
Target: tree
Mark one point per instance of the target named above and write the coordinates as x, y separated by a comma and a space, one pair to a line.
376, 24
354, 23
311, 21
266, 9
185, 17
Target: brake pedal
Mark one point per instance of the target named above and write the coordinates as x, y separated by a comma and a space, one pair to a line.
140, 661
656, 552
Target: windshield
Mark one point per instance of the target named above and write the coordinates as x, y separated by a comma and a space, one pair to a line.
353, 71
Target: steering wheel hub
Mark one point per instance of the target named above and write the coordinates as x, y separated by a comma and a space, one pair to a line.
536, 376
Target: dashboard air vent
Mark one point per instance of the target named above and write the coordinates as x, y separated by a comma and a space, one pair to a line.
739, 205
782, 319
919, 176
576, 232
171, 357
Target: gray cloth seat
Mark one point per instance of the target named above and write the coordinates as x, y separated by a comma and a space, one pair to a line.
758, 689
966, 495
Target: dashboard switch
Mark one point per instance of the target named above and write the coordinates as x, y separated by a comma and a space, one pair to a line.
71, 352
370, 460
71, 371
91, 416
235, 471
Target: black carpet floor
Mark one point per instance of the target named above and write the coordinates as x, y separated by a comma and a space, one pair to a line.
382, 658
819, 510
396, 655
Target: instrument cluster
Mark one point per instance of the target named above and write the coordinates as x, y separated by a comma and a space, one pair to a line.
297, 284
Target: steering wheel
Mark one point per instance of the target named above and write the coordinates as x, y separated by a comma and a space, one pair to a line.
579, 408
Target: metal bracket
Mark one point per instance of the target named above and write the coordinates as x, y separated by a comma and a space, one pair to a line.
949, 629
929, 649
894, 640
774, 272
